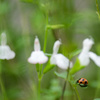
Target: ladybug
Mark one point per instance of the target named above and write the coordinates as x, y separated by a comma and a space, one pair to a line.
82, 82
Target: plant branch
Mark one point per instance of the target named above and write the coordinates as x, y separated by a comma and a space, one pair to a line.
78, 96
2, 84
64, 87
98, 12
46, 32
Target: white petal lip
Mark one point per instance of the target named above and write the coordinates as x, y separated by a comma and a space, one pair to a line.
37, 57
87, 43
3, 38
56, 47
95, 58
60, 60
84, 58
6, 52
85, 55
37, 44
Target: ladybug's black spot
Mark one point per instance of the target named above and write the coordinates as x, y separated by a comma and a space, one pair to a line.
85, 82
82, 79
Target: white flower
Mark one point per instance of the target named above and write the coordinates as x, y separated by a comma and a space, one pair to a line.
58, 59
85, 55
37, 56
5, 51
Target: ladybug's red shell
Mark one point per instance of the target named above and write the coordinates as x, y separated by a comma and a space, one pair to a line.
82, 81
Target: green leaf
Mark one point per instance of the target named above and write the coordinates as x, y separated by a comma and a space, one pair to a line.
74, 53
48, 67
97, 99
49, 55
62, 75
55, 26
77, 66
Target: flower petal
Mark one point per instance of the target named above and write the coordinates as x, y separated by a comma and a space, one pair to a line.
42, 58
37, 57
71, 64
52, 59
87, 43
61, 61
37, 44
95, 58
84, 58
6, 52
56, 47
33, 58
3, 38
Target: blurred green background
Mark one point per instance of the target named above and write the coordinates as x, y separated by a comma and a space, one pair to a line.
23, 20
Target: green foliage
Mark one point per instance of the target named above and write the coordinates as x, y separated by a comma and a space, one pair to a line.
49, 55
29, 1
97, 99
38, 21
62, 75
48, 67
55, 91
4, 8
74, 53
76, 67
98, 48
55, 26
94, 84
23, 20
14, 92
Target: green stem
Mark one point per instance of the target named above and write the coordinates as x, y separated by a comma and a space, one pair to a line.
98, 12
39, 88
97, 6
2, 84
44, 49
64, 87
74, 87
78, 96
46, 32
97, 93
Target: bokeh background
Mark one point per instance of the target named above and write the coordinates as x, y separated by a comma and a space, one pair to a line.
22, 20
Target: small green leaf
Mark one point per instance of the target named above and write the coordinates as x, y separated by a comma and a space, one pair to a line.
49, 55
62, 75
97, 99
77, 66
55, 26
48, 67
74, 53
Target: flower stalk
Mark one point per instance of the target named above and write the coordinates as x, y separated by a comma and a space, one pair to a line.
78, 96
64, 87
98, 12
2, 84
46, 32
44, 49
